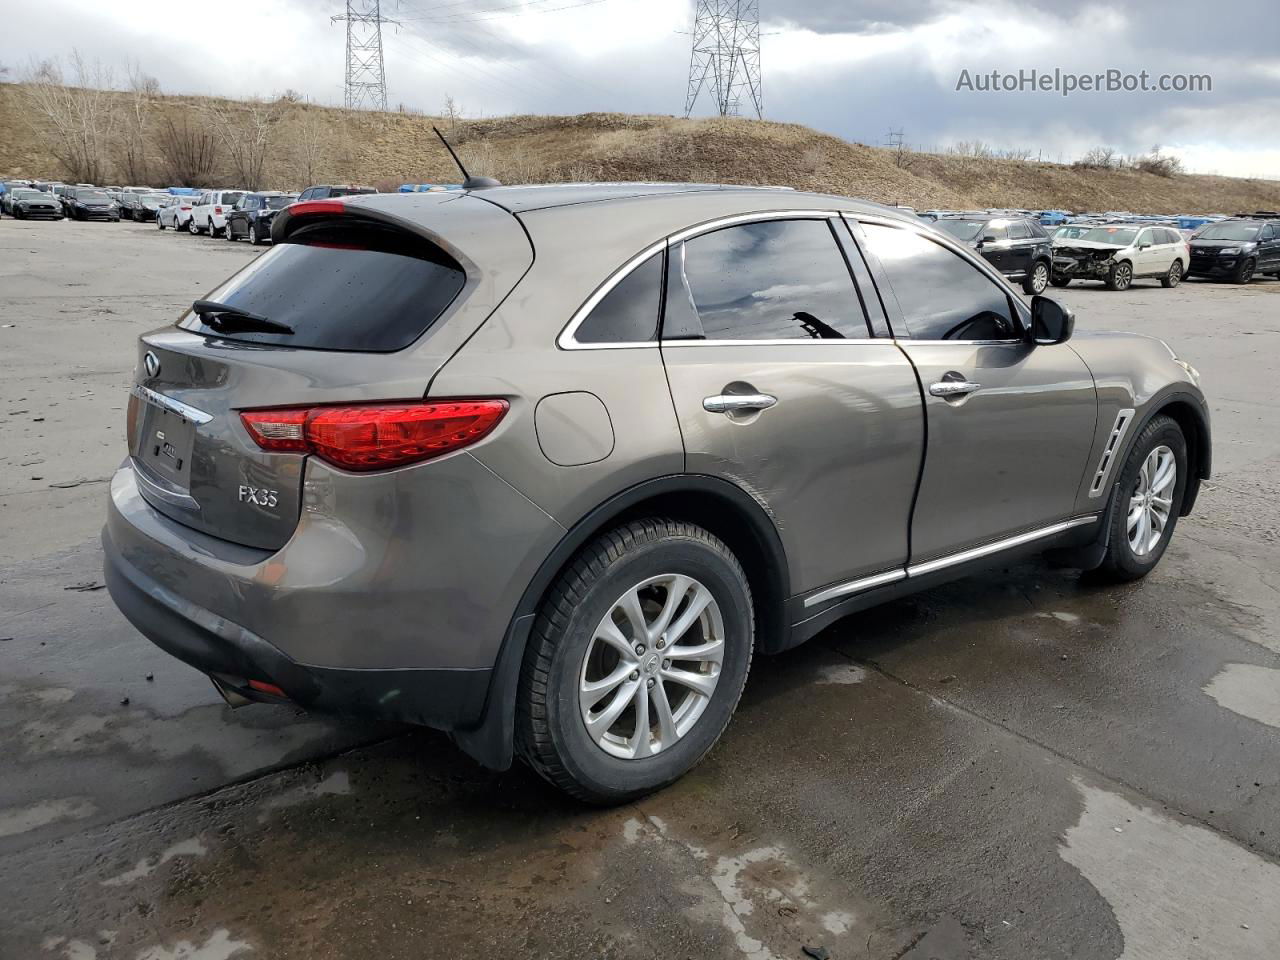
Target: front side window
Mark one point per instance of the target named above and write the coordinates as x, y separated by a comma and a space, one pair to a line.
1018, 230
1144, 238
629, 312
942, 296
772, 280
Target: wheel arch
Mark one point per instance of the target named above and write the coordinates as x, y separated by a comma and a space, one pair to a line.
717, 505
1188, 412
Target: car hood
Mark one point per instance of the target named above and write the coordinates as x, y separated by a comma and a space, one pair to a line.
1219, 244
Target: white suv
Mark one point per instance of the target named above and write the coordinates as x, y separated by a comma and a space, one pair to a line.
1118, 253
209, 214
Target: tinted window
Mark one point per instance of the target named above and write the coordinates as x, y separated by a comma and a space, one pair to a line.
278, 203
229, 199
962, 229
1018, 231
1268, 232
777, 279
942, 296
1037, 230
995, 232
341, 287
629, 312
1230, 231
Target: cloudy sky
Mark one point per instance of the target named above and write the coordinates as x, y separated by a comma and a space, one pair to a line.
854, 69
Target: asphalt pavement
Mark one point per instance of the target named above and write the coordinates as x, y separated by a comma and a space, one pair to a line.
1017, 765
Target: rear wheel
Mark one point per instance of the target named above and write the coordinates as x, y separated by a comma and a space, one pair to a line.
1151, 488
1037, 279
1244, 272
253, 235
192, 228
1121, 276
159, 222
1174, 275
638, 657
228, 233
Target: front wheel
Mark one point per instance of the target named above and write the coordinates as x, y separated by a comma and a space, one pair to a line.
1037, 279
637, 659
253, 235
1121, 276
159, 223
1174, 276
1150, 491
1244, 272
228, 233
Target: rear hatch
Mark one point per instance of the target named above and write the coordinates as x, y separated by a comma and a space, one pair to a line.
358, 301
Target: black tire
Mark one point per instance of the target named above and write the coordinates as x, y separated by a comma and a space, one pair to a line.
253, 235
159, 223
228, 233
192, 228
1121, 563
1244, 272
550, 733
1121, 276
1173, 276
1036, 281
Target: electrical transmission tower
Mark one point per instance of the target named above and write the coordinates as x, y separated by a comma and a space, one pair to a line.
726, 55
366, 79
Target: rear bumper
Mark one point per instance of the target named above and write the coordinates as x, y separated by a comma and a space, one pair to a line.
443, 698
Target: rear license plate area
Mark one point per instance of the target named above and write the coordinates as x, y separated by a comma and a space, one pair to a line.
164, 444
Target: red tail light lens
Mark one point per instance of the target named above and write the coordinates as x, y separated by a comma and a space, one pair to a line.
316, 206
375, 436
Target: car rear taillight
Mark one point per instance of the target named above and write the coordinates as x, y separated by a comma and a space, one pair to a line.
184, 208
316, 206
375, 436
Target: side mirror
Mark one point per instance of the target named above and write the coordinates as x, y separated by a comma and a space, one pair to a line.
988, 240
1143, 246
1051, 322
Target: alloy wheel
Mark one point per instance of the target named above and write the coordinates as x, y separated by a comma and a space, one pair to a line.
1124, 276
1039, 278
1175, 274
1151, 503
651, 666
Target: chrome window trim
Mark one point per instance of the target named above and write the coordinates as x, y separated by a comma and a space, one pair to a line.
807, 341
946, 241
566, 339
184, 410
941, 563
977, 553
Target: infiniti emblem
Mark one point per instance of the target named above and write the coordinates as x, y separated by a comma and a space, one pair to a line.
152, 364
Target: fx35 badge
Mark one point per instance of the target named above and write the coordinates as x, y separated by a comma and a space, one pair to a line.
259, 496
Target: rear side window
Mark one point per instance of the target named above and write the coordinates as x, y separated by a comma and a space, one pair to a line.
942, 296
1018, 230
340, 286
629, 312
773, 280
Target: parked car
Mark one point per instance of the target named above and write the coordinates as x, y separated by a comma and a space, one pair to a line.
506, 536
59, 192
94, 205
1117, 254
1237, 249
142, 207
1018, 247
338, 190
25, 203
175, 212
253, 214
209, 212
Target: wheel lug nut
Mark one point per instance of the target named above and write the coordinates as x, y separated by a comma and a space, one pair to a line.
661, 644
635, 674
651, 682
666, 664
640, 648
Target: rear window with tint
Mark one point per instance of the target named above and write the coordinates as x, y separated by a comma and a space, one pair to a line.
342, 287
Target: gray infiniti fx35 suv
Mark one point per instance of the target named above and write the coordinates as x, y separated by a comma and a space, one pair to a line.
545, 466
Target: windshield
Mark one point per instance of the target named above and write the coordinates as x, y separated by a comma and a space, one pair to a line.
279, 203
91, 195
1229, 231
1070, 233
1121, 236
22, 194
962, 229
155, 197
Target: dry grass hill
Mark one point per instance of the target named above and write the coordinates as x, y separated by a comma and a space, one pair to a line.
313, 144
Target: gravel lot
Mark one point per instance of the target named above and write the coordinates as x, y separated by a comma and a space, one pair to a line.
1019, 765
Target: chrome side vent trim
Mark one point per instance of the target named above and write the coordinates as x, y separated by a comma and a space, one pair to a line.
1109, 453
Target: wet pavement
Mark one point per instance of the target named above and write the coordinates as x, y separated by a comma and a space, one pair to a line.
1017, 765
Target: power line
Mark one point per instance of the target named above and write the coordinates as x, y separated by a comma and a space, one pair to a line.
468, 18
366, 79
726, 55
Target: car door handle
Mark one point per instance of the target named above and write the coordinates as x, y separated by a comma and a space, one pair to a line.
733, 402
953, 388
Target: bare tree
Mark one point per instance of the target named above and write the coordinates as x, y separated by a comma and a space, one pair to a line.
1161, 164
81, 113
245, 130
187, 151
1100, 158
452, 110
310, 147
134, 160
